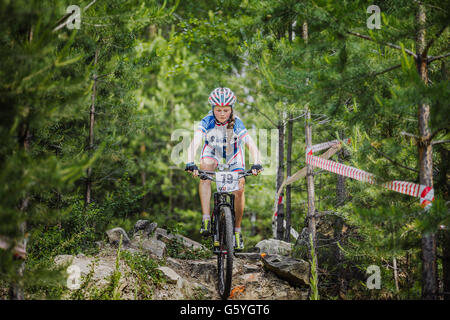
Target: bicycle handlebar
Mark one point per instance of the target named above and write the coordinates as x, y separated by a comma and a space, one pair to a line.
204, 174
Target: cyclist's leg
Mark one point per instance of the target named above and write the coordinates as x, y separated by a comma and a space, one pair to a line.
204, 188
239, 203
237, 163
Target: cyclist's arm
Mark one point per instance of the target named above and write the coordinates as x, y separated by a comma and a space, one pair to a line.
193, 146
253, 150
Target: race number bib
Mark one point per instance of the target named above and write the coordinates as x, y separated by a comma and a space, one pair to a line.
227, 181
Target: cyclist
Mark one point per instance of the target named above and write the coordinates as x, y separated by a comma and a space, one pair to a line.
224, 134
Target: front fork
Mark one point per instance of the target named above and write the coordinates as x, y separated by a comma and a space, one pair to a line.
220, 200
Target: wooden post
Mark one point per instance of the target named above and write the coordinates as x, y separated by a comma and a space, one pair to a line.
280, 176
310, 182
287, 233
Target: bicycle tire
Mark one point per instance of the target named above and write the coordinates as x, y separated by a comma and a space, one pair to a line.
226, 252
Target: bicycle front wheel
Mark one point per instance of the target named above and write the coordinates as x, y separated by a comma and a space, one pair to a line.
226, 252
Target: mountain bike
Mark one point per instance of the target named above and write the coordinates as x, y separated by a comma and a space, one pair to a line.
222, 222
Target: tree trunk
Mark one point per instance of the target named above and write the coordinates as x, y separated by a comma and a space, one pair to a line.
429, 268
310, 183
280, 176
91, 134
305, 31
394, 263
287, 233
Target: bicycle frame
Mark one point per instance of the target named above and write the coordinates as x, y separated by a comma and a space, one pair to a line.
219, 201
221, 220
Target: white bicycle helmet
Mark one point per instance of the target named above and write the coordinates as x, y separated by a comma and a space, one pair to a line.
222, 97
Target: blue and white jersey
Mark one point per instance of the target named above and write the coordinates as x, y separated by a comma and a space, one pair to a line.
216, 137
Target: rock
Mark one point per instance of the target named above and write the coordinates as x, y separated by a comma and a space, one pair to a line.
295, 271
251, 277
100, 244
248, 268
163, 235
63, 259
114, 236
174, 263
102, 268
145, 226
205, 270
156, 247
200, 291
248, 255
181, 283
132, 250
171, 275
273, 246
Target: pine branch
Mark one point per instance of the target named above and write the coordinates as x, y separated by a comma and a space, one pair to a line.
293, 119
374, 74
362, 36
435, 132
362, 76
431, 58
394, 161
90, 4
270, 120
434, 39
403, 133
440, 142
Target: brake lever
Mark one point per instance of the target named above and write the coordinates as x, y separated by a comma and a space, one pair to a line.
204, 176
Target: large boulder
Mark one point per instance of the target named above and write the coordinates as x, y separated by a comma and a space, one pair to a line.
294, 271
203, 270
145, 227
102, 269
170, 274
152, 245
163, 235
115, 234
273, 246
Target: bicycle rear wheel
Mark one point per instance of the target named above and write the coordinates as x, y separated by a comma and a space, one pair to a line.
226, 252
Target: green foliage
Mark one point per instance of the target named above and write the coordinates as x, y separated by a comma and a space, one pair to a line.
176, 249
157, 62
90, 291
144, 269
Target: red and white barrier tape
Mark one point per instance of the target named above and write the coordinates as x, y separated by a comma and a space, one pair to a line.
425, 193
289, 180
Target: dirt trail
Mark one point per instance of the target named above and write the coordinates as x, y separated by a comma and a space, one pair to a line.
184, 279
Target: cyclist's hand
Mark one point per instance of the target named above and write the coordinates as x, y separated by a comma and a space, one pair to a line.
191, 167
256, 169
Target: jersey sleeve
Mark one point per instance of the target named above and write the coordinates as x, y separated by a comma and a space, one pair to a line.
204, 126
241, 131
201, 128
